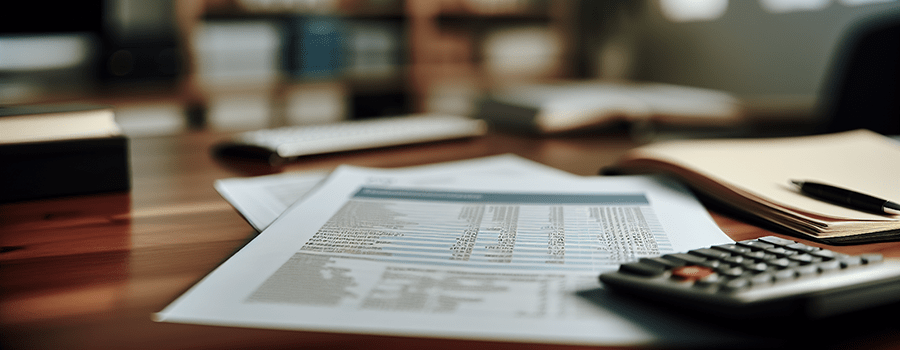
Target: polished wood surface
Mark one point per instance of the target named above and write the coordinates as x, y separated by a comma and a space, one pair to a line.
87, 272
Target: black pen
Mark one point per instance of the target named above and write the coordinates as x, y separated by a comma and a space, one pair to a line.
848, 198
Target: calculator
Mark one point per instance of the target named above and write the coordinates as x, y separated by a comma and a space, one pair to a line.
765, 277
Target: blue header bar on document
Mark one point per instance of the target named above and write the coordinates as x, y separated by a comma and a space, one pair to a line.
521, 198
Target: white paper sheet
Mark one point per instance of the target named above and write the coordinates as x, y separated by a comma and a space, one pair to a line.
262, 199
465, 256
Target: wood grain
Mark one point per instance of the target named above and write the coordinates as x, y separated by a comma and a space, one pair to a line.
87, 272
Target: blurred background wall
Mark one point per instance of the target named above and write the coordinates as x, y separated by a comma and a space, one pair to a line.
171, 65
775, 54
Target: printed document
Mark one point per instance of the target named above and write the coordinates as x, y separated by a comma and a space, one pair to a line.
464, 256
262, 199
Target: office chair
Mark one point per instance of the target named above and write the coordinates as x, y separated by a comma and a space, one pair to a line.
863, 88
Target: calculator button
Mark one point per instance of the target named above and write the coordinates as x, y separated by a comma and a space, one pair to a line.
762, 279
713, 264
801, 258
759, 255
802, 247
779, 251
780, 263
684, 259
665, 264
826, 254
642, 269
808, 270
758, 267
710, 253
756, 245
733, 272
776, 240
871, 258
735, 260
785, 275
709, 280
736, 285
851, 261
732, 248
829, 266
691, 273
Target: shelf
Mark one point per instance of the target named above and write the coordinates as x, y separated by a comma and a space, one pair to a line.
222, 9
439, 41
237, 16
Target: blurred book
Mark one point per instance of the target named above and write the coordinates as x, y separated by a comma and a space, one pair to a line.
282, 6
237, 52
241, 109
373, 48
315, 103
523, 53
30, 124
151, 118
570, 106
239, 64
753, 176
315, 47
60, 150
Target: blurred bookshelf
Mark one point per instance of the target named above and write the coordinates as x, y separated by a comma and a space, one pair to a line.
380, 57
247, 64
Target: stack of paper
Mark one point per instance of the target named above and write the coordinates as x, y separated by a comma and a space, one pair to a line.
754, 176
499, 248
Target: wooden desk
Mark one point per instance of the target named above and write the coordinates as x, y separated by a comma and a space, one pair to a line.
87, 272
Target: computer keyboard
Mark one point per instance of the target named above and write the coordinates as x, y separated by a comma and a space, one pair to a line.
294, 141
762, 278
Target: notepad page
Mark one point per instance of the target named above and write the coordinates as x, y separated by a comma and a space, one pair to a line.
860, 160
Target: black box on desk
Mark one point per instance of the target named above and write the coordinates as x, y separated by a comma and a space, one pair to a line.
52, 151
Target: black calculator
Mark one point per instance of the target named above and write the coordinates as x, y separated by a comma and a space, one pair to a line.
764, 277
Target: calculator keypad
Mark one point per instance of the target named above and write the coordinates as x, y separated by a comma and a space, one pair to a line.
757, 263
765, 277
